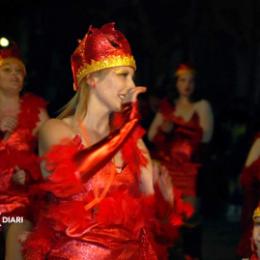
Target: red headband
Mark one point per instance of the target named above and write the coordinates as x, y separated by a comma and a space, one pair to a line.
183, 69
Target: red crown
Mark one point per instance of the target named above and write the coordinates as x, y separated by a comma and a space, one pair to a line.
10, 52
183, 69
100, 49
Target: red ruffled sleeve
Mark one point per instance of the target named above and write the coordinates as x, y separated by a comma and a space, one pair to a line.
31, 106
62, 181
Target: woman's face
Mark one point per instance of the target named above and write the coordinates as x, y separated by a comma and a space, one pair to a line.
185, 84
256, 232
112, 85
11, 76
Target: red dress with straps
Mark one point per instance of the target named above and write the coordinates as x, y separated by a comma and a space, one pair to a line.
19, 150
178, 149
106, 217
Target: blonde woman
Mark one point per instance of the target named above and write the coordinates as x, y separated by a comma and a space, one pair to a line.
99, 178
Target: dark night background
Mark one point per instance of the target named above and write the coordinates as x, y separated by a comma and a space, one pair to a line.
221, 38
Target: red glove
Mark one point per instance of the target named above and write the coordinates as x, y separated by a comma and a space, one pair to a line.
92, 159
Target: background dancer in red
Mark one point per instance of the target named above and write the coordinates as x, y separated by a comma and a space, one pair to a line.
250, 183
20, 119
255, 243
180, 132
105, 200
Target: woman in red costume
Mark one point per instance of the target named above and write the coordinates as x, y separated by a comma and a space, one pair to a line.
250, 183
256, 235
20, 118
103, 200
180, 131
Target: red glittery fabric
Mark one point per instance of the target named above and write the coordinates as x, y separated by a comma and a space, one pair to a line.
178, 149
123, 224
19, 150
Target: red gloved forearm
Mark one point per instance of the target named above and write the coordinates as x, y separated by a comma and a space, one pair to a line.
92, 159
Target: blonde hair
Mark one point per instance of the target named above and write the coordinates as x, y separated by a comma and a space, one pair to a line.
77, 105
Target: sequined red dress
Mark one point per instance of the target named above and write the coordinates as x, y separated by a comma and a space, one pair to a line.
107, 217
250, 182
19, 150
178, 149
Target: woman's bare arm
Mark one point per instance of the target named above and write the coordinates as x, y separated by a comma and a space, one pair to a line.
157, 122
52, 133
206, 120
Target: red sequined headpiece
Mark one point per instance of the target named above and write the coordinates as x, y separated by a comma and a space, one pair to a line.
183, 69
100, 49
11, 52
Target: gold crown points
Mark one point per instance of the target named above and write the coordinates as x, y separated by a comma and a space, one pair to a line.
256, 213
112, 61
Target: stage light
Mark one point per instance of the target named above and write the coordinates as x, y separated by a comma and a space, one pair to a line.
4, 42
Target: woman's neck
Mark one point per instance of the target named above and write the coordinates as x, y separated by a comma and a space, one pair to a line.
99, 125
184, 100
8, 101
96, 121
